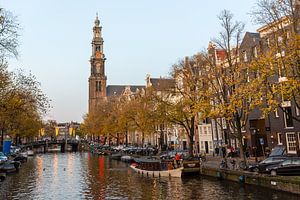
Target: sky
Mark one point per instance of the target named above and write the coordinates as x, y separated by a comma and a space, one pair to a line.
140, 37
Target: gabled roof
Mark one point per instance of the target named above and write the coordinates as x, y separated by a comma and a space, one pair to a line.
162, 83
254, 35
118, 90
250, 40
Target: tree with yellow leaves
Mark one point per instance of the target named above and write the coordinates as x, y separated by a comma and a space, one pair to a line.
231, 95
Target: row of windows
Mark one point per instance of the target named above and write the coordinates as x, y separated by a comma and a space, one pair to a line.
254, 53
208, 143
280, 40
205, 130
291, 141
287, 114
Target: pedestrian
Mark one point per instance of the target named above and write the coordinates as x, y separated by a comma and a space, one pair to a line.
217, 151
228, 151
232, 150
223, 151
247, 152
177, 159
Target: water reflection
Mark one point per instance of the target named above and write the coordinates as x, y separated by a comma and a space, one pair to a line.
84, 176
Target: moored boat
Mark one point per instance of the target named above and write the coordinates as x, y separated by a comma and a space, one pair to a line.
10, 166
127, 159
160, 173
21, 158
116, 156
54, 149
191, 166
2, 176
153, 167
30, 153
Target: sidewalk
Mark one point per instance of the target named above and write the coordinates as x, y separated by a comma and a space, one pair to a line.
211, 167
215, 161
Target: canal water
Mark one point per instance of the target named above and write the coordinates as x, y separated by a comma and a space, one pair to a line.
85, 176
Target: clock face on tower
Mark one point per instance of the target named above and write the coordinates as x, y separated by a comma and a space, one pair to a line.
98, 54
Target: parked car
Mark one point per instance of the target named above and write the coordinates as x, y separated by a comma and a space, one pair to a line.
15, 149
171, 154
21, 158
278, 150
290, 166
3, 158
262, 165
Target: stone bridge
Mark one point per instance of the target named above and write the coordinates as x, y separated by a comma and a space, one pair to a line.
48, 143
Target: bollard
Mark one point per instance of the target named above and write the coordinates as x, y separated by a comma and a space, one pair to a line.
219, 175
242, 179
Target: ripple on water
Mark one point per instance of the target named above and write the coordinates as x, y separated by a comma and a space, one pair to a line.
83, 176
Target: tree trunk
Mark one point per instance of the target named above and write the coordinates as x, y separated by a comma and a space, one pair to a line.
191, 145
16, 140
126, 138
240, 138
191, 137
161, 138
118, 139
143, 139
2, 137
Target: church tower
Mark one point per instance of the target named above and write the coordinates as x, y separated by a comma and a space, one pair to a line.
97, 79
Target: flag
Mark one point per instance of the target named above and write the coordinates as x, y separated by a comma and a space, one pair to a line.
56, 131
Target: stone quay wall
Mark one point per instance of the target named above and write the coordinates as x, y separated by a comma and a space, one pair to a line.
282, 183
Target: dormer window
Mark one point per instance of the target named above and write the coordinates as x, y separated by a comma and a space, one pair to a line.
268, 42
245, 56
288, 34
255, 52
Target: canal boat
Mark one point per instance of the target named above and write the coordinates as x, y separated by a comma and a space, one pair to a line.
128, 159
191, 166
116, 156
21, 158
10, 166
2, 176
30, 153
55, 148
152, 167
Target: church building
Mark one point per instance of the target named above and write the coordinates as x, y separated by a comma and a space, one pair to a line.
98, 90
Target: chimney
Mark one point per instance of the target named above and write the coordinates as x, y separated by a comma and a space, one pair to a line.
148, 82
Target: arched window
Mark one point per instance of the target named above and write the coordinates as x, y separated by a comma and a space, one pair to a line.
98, 86
98, 48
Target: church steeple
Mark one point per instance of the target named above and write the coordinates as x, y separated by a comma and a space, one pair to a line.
97, 43
97, 80
97, 21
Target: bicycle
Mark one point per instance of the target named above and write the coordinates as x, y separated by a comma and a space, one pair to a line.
243, 164
223, 164
202, 157
233, 163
